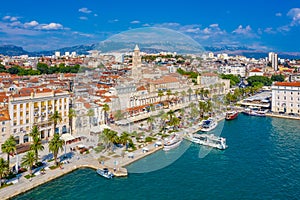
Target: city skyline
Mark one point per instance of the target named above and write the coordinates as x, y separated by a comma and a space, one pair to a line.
269, 25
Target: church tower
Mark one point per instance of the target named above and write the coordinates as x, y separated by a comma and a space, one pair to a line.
136, 72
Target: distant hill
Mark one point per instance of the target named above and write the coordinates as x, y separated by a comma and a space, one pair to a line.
112, 46
11, 50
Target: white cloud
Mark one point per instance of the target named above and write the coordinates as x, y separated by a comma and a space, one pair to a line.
214, 25
31, 24
10, 18
278, 14
83, 18
243, 31
146, 25
51, 26
95, 15
269, 30
135, 22
16, 24
85, 10
294, 13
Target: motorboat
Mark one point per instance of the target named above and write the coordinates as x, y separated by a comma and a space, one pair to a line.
208, 125
251, 112
230, 115
172, 142
210, 140
105, 173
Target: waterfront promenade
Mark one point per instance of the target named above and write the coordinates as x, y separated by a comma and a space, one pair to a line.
116, 165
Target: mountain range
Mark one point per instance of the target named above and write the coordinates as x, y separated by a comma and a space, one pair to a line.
112, 46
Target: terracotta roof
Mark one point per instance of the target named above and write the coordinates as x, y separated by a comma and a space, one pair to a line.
255, 70
4, 114
289, 84
141, 88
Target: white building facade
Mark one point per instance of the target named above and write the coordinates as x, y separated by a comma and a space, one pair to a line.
286, 97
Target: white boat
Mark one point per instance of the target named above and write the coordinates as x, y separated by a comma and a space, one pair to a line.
105, 173
208, 125
172, 142
209, 140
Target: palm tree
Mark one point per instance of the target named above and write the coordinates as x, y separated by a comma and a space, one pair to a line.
125, 139
150, 120
105, 108
103, 138
160, 94
202, 105
37, 146
3, 169
36, 142
169, 93
171, 114
71, 115
174, 122
190, 91
28, 160
55, 118
183, 94
9, 147
55, 145
118, 115
34, 132
90, 114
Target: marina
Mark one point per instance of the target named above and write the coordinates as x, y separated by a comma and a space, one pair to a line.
265, 169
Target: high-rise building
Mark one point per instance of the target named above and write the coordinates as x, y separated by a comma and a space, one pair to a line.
57, 54
273, 59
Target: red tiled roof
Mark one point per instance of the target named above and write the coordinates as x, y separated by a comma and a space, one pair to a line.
255, 70
289, 84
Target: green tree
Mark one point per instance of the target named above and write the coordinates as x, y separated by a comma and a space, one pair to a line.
55, 118
9, 147
169, 93
90, 114
71, 115
190, 91
105, 108
150, 121
119, 115
55, 145
3, 169
36, 145
160, 94
259, 79
234, 80
279, 78
43, 68
28, 160
183, 94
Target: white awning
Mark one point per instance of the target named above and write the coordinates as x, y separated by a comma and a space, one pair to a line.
67, 137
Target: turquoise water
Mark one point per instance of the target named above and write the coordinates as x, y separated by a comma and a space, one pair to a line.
262, 162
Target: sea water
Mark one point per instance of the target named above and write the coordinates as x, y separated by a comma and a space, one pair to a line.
262, 162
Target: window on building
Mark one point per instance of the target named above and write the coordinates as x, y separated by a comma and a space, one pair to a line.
3, 123
3, 129
284, 98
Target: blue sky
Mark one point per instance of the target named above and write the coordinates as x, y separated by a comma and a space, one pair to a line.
46, 25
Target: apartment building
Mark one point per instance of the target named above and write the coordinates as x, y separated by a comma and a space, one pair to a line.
34, 106
286, 97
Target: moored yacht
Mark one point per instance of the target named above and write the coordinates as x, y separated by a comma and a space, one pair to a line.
172, 142
208, 125
209, 140
251, 112
230, 115
105, 173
